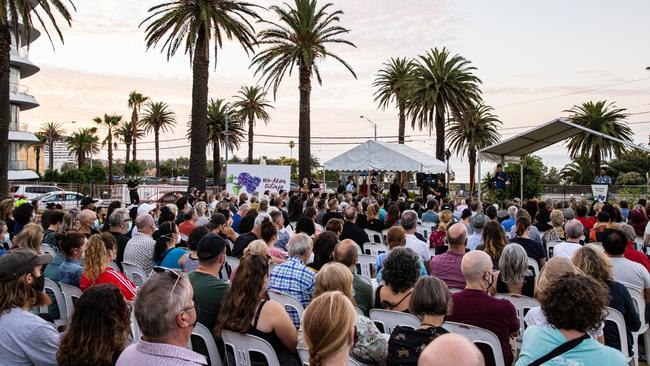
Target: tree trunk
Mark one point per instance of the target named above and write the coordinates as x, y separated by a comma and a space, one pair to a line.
597, 160
199, 134
216, 161
134, 130
81, 158
472, 169
38, 160
110, 157
157, 146
5, 110
128, 152
440, 134
304, 124
250, 139
402, 124
51, 153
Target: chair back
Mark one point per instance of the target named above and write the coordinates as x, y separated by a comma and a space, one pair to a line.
613, 315
522, 304
390, 319
375, 236
115, 267
135, 328
46, 248
243, 344
136, 274
233, 262
549, 248
375, 249
366, 263
58, 296
70, 295
638, 299
289, 302
533, 266
478, 335
213, 352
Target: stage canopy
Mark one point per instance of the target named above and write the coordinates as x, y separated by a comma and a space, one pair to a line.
381, 156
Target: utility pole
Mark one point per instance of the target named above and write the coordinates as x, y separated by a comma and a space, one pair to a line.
225, 135
373, 124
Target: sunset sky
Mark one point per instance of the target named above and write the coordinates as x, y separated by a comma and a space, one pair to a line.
536, 59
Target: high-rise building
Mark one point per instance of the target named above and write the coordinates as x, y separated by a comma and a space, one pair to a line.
20, 100
62, 155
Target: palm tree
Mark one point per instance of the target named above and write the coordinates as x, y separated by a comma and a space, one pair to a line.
109, 122
251, 104
16, 18
579, 171
158, 118
38, 147
83, 143
300, 39
291, 146
124, 134
194, 24
136, 100
477, 129
393, 84
442, 85
53, 132
601, 117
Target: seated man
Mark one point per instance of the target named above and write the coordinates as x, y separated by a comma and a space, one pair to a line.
447, 266
165, 311
409, 222
345, 252
573, 230
351, 230
474, 306
451, 349
293, 277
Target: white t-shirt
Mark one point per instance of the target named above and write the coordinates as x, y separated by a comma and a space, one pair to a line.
418, 246
535, 316
630, 273
565, 249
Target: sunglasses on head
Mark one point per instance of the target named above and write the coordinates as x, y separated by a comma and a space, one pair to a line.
158, 269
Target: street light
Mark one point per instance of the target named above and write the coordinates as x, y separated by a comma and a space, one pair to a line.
225, 135
373, 124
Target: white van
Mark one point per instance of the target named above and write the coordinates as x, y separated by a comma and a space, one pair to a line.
32, 191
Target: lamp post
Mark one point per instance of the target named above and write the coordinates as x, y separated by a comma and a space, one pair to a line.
225, 135
373, 124
447, 156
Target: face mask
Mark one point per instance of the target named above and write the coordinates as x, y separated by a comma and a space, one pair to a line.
7, 237
129, 226
39, 283
311, 258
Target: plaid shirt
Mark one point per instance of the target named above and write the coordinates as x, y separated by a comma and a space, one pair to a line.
294, 278
447, 268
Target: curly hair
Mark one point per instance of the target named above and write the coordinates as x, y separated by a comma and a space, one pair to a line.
98, 330
583, 310
593, 262
401, 269
494, 238
96, 254
445, 219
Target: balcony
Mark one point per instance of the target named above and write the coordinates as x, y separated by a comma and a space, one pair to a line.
17, 164
19, 132
19, 57
19, 94
21, 127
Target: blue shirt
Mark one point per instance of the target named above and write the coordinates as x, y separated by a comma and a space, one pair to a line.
508, 224
70, 271
538, 341
604, 179
430, 217
171, 259
295, 279
382, 214
500, 180
235, 222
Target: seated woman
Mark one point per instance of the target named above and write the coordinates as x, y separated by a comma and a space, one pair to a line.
431, 302
373, 222
323, 247
99, 329
335, 225
329, 329
270, 237
593, 262
438, 236
556, 232
370, 347
514, 276
494, 240
396, 238
245, 310
401, 271
573, 304
189, 262
165, 253
73, 245
534, 248
100, 251
306, 225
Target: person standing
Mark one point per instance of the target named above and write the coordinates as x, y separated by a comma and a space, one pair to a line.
132, 184
375, 190
604, 177
394, 190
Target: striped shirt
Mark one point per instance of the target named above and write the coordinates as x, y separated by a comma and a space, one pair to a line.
295, 279
139, 251
126, 287
159, 354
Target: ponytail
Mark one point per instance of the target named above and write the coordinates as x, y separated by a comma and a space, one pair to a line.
522, 224
162, 241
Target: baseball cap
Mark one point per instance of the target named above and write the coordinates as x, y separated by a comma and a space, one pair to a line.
215, 220
20, 261
86, 201
146, 208
210, 246
51, 206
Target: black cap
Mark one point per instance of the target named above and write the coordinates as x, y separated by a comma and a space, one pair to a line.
210, 246
51, 206
215, 220
86, 201
20, 261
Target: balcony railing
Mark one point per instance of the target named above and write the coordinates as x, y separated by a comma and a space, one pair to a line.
17, 164
18, 88
22, 127
21, 52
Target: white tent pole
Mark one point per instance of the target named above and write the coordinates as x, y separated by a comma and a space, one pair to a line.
521, 178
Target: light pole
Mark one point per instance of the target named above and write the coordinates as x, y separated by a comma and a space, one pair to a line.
447, 156
225, 135
373, 124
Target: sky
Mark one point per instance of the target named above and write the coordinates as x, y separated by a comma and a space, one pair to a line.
536, 59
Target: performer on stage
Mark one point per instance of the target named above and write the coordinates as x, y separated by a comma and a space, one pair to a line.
500, 177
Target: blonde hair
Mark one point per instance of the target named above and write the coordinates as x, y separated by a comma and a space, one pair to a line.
327, 323
6, 205
373, 211
593, 262
258, 247
70, 220
334, 276
95, 257
444, 219
201, 208
30, 237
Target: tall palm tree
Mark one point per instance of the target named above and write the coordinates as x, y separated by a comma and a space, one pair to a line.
442, 85
53, 132
109, 122
392, 85
475, 130
579, 171
291, 146
83, 142
195, 24
601, 117
300, 38
251, 105
38, 147
136, 100
124, 134
158, 118
18, 17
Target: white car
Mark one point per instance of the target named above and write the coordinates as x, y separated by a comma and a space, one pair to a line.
30, 191
67, 199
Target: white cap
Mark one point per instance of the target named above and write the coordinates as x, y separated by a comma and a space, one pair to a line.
146, 208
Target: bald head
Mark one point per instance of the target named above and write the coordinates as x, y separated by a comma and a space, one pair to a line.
451, 349
145, 224
457, 235
345, 253
474, 265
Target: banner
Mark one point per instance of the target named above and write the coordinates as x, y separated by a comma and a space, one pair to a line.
257, 178
599, 192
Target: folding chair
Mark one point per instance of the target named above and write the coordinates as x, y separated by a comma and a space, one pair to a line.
613, 315
70, 295
533, 266
243, 344
136, 274
213, 352
375, 236
478, 335
375, 249
288, 301
365, 265
60, 302
390, 319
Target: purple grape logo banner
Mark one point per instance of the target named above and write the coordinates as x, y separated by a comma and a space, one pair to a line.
257, 178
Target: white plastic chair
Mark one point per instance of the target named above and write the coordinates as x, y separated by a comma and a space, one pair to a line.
359, 251
522, 304
46, 248
233, 262
366, 263
213, 352
136, 274
135, 328
115, 267
243, 344
375, 249
70, 294
639, 303
383, 235
288, 301
478, 335
616, 317
432, 252
549, 248
60, 302
390, 319
533, 265
375, 236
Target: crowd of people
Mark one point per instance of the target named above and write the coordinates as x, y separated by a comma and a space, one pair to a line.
306, 245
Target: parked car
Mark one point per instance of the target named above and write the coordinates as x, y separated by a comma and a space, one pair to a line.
67, 199
166, 197
31, 192
294, 187
152, 180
